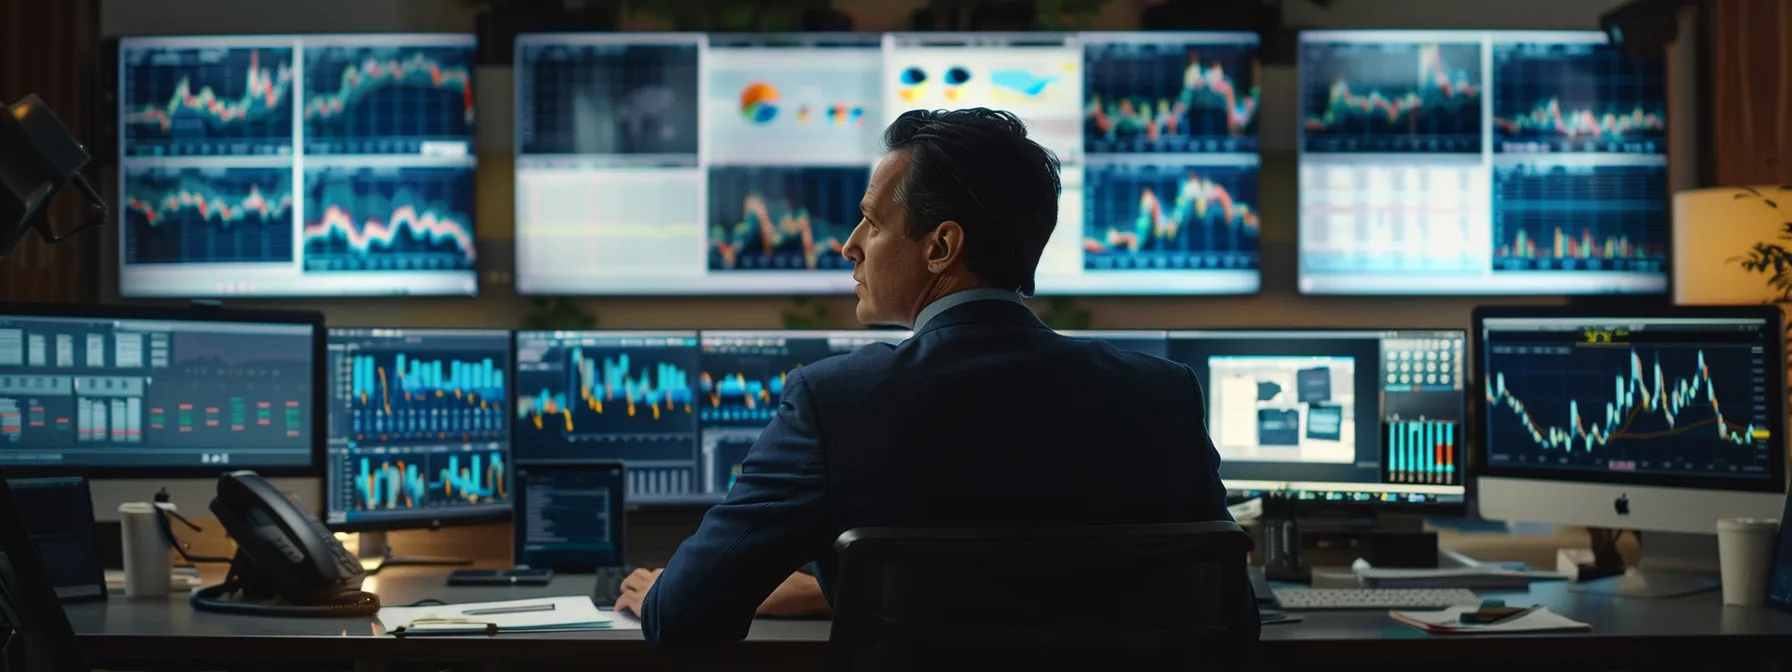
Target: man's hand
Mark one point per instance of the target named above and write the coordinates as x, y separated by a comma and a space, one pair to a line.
799, 595
634, 590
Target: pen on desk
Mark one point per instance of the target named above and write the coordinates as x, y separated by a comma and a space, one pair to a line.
519, 609
1511, 617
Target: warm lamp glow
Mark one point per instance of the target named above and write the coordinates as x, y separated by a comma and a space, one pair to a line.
1713, 231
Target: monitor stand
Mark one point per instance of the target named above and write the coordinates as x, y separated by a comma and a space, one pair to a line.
1672, 565
375, 552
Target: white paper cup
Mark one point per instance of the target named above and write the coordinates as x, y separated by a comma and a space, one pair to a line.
1745, 552
146, 563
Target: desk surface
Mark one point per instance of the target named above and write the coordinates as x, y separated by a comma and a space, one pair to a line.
122, 631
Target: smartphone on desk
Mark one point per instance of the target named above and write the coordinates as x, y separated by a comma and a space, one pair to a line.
520, 576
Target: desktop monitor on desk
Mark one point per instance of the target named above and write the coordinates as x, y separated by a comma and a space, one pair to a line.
139, 393
679, 408
419, 433
1370, 417
1662, 421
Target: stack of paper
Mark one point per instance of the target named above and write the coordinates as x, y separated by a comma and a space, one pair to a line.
1449, 621
536, 615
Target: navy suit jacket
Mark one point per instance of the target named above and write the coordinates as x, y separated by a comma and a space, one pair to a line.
985, 417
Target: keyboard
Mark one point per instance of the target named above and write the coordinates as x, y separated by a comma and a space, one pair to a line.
1314, 599
609, 584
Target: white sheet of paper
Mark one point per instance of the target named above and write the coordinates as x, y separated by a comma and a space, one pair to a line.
567, 612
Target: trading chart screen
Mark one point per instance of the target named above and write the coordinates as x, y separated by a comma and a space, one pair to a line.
1598, 397
1363, 416
93, 393
613, 395
704, 164
741, 379
1476, 162
296, 165
419, 426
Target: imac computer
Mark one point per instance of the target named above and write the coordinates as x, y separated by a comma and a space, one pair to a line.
1368, 417
1661, 421
419, 433
150, 393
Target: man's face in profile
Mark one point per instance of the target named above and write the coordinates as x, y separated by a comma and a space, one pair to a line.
891, 269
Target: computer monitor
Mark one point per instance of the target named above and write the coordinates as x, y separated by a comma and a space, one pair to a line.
137, 392
570, 516
289, 165
420, 424
654, 164
1349, 416
613, 395
742, 374
1661, 420
1157, 135
1480, 162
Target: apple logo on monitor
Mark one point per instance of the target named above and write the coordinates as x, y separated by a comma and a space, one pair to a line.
1622, 504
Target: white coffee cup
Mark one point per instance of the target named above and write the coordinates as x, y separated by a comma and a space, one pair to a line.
146, 563
1745, 553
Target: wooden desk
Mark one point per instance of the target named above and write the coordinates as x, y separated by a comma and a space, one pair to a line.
1695, 632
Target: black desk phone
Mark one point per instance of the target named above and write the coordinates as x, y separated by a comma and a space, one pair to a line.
287, 563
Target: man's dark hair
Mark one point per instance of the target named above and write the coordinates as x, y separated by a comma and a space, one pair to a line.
976, 167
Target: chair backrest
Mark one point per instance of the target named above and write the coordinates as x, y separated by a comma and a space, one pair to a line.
34, 633
1162, 596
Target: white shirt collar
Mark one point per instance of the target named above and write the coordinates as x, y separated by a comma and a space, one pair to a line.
953, 300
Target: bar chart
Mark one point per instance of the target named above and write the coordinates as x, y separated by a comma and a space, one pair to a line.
1422, 452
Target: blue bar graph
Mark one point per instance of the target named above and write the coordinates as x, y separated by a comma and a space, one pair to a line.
401, 397
1422, 452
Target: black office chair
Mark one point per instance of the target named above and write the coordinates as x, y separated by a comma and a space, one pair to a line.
1172, 596
34, 633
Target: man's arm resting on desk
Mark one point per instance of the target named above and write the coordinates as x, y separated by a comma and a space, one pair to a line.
773, 520
800, 595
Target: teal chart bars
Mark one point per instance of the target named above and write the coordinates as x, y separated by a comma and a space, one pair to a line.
312, 165
613, 395
420, 426
1480, 162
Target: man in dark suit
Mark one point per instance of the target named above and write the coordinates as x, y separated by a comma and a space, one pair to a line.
984, 417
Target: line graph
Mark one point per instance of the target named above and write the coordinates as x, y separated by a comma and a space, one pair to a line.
1166, 216
782, 219
1577, 98
208, 215
1580, 217
389, 219
1627, 407
386, 100
208, 101
399, 396
1396, 97
1170, 97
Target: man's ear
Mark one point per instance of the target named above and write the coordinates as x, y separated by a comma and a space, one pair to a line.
946, 247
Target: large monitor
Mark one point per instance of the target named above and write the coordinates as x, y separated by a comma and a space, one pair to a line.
754, 151
692, 164
420, 425
296, 165
113, 391
741, 375
1478, 162
1660, 420
613, 395
1373, 416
